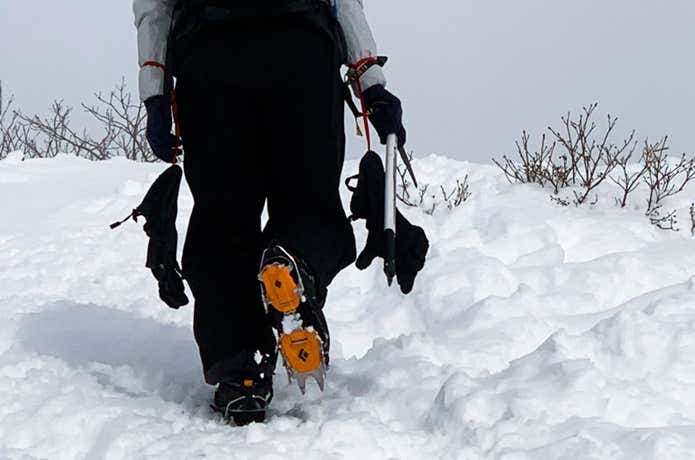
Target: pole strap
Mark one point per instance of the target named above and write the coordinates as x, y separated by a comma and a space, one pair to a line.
352, 77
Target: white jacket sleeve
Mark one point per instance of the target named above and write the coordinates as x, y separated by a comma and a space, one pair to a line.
152, 20
360, 40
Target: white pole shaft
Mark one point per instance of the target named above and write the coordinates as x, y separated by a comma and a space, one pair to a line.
390, 195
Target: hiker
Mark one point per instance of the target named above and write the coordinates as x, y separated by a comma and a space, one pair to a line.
258, 104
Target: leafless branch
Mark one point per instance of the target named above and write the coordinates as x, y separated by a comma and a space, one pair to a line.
533, 166
413, 197
663, 176
578, 157
668, 221
125, 119
121, 119
14, 135
458, 195
628, 179
557, 199
591, 158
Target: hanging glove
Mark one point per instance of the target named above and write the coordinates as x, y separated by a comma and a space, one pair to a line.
411, 251
368, 203
161, 260
164, 144
385, 113
159, 208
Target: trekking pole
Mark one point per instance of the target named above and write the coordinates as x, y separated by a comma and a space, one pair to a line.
390, 208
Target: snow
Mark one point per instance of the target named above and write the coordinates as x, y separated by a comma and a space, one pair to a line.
535, 332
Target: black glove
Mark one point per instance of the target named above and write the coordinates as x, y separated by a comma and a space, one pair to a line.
164, 144
385, 113
159, 207
411, 251
161, 260
368, 203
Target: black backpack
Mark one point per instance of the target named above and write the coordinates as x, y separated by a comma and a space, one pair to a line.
193, 16
235, 10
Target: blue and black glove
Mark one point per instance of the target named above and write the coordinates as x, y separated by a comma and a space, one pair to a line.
385, 113
164, 144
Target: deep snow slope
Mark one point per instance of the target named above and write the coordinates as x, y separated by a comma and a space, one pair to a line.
535, 332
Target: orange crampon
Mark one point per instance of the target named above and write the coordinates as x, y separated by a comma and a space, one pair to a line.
300, 345
280, 289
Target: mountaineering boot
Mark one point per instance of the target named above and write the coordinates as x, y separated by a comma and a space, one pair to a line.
244, 393
244, 401
294, 303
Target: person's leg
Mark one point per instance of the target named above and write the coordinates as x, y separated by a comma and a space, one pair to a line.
261, 114
304, 119
223, 165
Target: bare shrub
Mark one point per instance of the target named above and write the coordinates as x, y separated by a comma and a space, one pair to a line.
581, 158
665, 178
120, 119
591, 158
125, 122
626, 180
458, 195
57, 136
668, 221
419, 197
578, 156
534, 167
14, 135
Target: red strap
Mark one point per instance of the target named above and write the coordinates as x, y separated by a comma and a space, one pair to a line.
365, 117
159, 65
360, 67
363, 61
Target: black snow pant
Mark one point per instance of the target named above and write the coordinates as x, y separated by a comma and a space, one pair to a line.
261, 115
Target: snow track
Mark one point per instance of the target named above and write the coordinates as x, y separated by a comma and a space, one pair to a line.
535, 332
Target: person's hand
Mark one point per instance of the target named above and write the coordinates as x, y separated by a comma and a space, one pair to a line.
385, 113
164, 144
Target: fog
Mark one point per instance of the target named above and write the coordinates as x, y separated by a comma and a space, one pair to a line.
472, 74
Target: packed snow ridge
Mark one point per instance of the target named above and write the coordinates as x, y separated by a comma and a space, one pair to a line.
534, 332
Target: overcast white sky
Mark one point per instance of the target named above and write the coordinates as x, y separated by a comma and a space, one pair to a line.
472, 73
